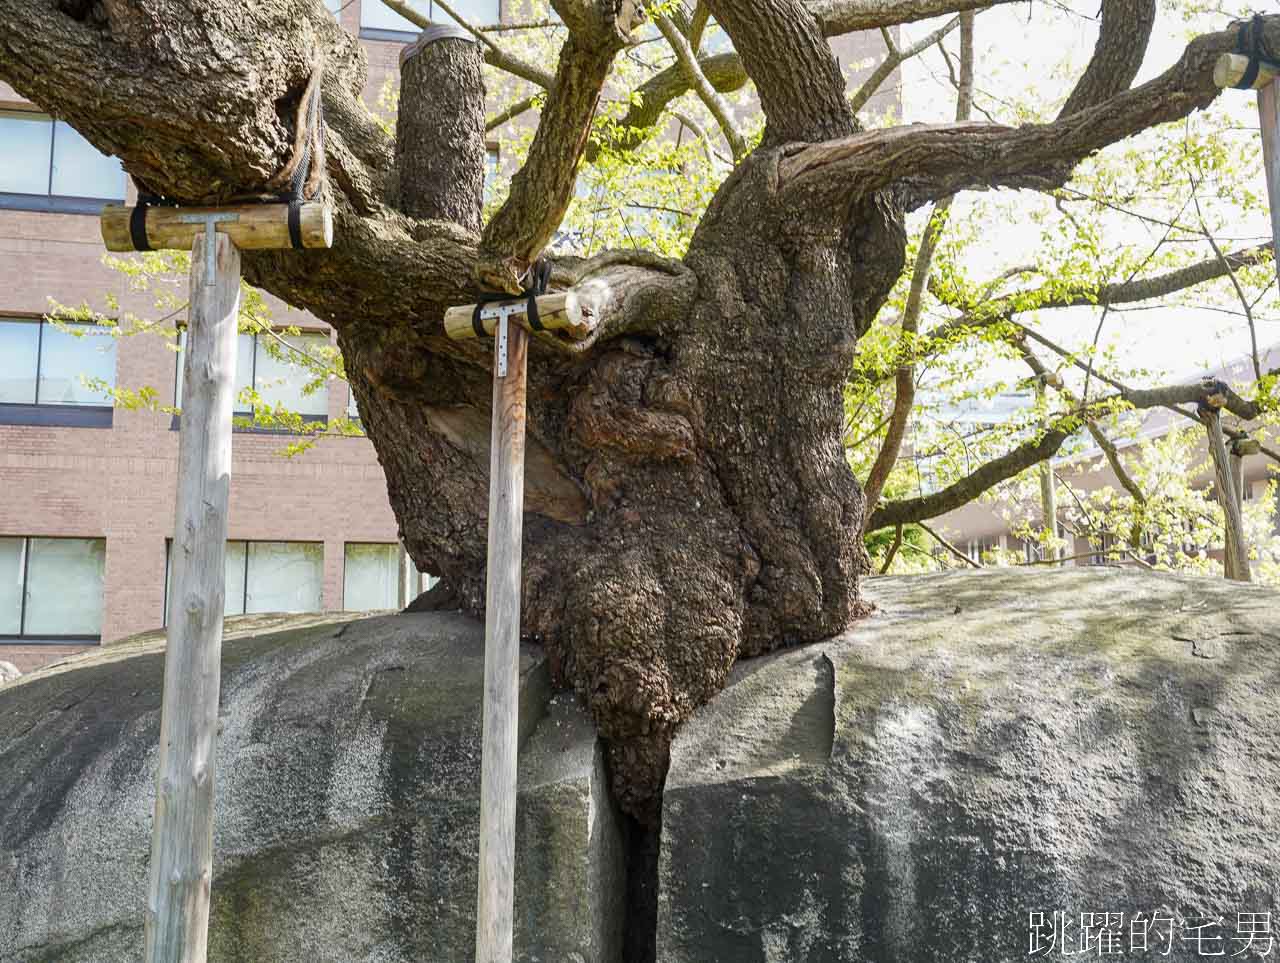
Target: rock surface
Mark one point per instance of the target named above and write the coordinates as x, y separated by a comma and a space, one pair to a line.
346, 827
989, 745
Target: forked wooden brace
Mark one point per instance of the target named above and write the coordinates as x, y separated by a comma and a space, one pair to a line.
177, 920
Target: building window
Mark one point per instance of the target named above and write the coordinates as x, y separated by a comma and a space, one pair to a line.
277, 382
371, 577
372, 574
265, 577
51, 589
49, 166
380, 22
47, 370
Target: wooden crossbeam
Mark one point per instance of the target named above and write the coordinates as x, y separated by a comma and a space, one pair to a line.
1231, 68
251, 227
562, 312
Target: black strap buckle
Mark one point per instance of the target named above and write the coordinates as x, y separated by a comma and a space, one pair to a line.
1251, 41
536, 280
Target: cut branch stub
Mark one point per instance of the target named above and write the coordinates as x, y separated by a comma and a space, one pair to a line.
440, 148
251, 227
1231, 69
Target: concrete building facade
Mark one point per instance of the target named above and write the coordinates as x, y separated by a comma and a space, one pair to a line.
88, 489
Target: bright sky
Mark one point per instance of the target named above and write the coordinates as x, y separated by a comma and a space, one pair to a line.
1058, 43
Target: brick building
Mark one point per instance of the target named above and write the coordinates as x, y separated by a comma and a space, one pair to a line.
89, 489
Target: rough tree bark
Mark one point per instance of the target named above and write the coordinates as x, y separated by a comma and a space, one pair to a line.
688, 499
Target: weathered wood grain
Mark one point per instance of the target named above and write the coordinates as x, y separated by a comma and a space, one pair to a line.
495, 900
177, 921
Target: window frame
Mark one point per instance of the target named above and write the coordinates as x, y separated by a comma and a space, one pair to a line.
176, 422
50, 202
244, 597
39, 413
46, 638
388, 35
346, 559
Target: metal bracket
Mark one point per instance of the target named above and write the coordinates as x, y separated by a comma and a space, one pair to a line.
502, 312
209, 220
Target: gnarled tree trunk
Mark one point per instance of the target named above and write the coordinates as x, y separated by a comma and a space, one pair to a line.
688, 500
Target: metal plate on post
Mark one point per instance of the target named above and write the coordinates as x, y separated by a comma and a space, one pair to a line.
501, 333
210, 222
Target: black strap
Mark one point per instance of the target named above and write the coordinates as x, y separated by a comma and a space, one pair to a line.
1252, 42
536, 280
539, 275
138, 226
295, 223
301, 173
138, 217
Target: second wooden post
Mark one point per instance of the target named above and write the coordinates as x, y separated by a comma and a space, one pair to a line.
496, 898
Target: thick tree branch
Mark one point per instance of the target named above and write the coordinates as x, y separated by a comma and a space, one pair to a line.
1117, 56
934, 160
789, 60
838, 17
542, 189
1046, 445
494, 55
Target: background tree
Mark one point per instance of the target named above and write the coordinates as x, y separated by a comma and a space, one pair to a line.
689, 496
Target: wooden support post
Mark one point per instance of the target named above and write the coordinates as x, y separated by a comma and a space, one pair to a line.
571, 320
495, 903
1269, 115
1229, 70
1235, 549
177, 919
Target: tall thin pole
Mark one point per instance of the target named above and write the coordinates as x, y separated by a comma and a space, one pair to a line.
495, 902
177, 922
1269, 116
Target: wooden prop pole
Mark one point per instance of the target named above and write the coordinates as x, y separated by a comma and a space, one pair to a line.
177, 921
1048, 491
506, 320
562, 312
1269, 116
1229, 70
181, 870
495, 902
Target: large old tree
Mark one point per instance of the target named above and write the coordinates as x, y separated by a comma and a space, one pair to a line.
689, 500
